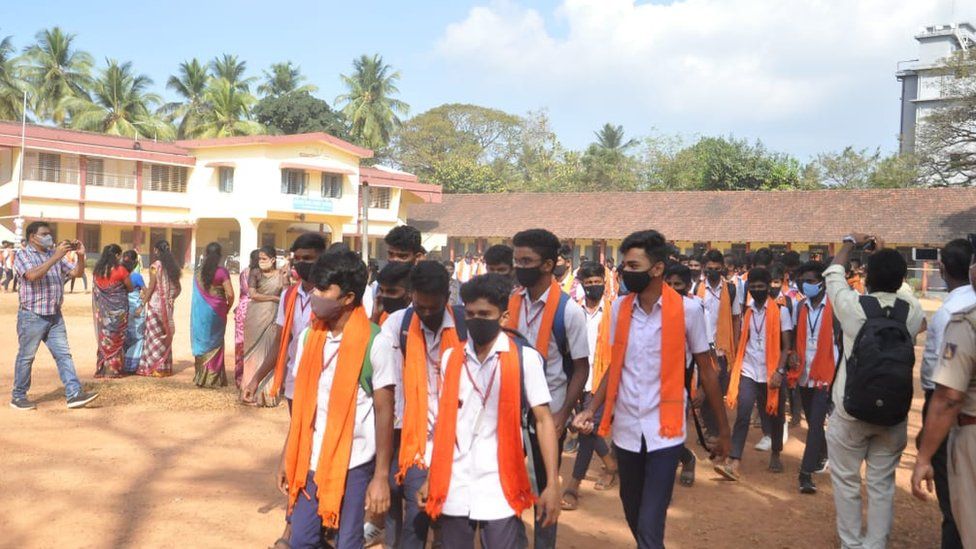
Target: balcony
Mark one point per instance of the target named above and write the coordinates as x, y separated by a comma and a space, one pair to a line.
114, 180
35, 172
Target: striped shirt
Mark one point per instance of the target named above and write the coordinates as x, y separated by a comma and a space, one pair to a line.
44, 295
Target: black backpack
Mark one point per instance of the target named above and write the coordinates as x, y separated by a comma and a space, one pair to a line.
879, 370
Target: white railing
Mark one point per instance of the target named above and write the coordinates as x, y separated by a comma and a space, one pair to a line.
114, 180
69, 176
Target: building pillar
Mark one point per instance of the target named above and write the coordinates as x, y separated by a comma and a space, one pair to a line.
603, 252
82, 182
191, 249
139, 183
249, 235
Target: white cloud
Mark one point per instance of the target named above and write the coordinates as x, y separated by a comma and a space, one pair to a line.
764, 61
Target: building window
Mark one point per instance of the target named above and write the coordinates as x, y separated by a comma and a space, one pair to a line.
95, 172
293, 182
379, 197
331, 185
166, 178
226, 175
49, 167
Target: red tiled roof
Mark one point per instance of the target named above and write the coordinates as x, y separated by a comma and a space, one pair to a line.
94, 144
402, 180
322, 137
923, 216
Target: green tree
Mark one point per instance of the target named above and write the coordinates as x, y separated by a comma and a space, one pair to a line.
299, 112
120, 105
190, 83
11, 84
719, 163
849, 168
463, 175
369, 103
895, 172
56, 72
606, 165
231, 69
611, 139
228, 113
284, 78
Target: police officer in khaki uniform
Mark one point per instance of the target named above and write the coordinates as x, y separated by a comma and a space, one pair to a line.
952, 411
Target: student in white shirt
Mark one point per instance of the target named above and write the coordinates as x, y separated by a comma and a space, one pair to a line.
653, 329
955, 257
592, 275
431, 324
393, 293
477, 478
759, 371
532, 312
403, 245
336, 458
305, 252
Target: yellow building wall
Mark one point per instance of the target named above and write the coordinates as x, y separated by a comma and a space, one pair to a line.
109, 212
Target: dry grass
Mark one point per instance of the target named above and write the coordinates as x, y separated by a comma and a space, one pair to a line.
163, 393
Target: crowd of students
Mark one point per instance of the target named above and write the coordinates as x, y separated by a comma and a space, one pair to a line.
432, 401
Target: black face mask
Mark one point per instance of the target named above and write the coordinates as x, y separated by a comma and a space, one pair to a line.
636, 281
713, 276
527, 276
432, 321
695, 274
774, 292
394, 304
682, 292
304, 269
594, 292
559, 270
483, 330
759, 296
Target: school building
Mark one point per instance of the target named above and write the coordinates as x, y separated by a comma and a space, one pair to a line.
242, 192
594, 224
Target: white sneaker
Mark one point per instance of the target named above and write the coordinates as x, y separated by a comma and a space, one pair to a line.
825, 467
764, 444
372, 535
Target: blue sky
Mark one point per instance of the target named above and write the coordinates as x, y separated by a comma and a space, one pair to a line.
803, 78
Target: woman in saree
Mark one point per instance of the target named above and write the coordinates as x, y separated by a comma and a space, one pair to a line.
110, 305
266, 284
160, 294
213, 296
240, 315
134, 336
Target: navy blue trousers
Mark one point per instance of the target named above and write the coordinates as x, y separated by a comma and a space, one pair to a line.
646, 484
306, 524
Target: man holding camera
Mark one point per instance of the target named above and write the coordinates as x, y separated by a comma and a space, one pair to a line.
42, 269
866, 428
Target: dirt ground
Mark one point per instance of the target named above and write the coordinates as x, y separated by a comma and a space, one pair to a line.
160, 463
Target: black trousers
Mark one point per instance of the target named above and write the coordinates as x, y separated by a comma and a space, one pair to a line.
753, 394
545, 538
815, 402
646, 486
950, 534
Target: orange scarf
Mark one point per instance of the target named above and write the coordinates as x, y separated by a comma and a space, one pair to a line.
291, 296
383, 316
333, 465
511, 455
856, 283
413, 445
724, 336
604, 351
548, 316
672, 407
773, 352
822, 369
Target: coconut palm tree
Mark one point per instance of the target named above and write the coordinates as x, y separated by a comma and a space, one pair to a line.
120, 105
610, 138
231, 69
284, 78
56, 72
191, 85
228, 112
11, 84
369, 102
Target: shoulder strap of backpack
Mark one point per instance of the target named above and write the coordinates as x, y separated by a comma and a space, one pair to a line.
366, 374
405, 329
871, 305
899, 311
731, 291
459, 325
559, 324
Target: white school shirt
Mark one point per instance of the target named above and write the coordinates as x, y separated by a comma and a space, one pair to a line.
959, 299
815, 321
369, 297
300, 320
636, 413
592, 332
713, 301
476, 488
388, 351
754, 361
364, 431
530, 318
